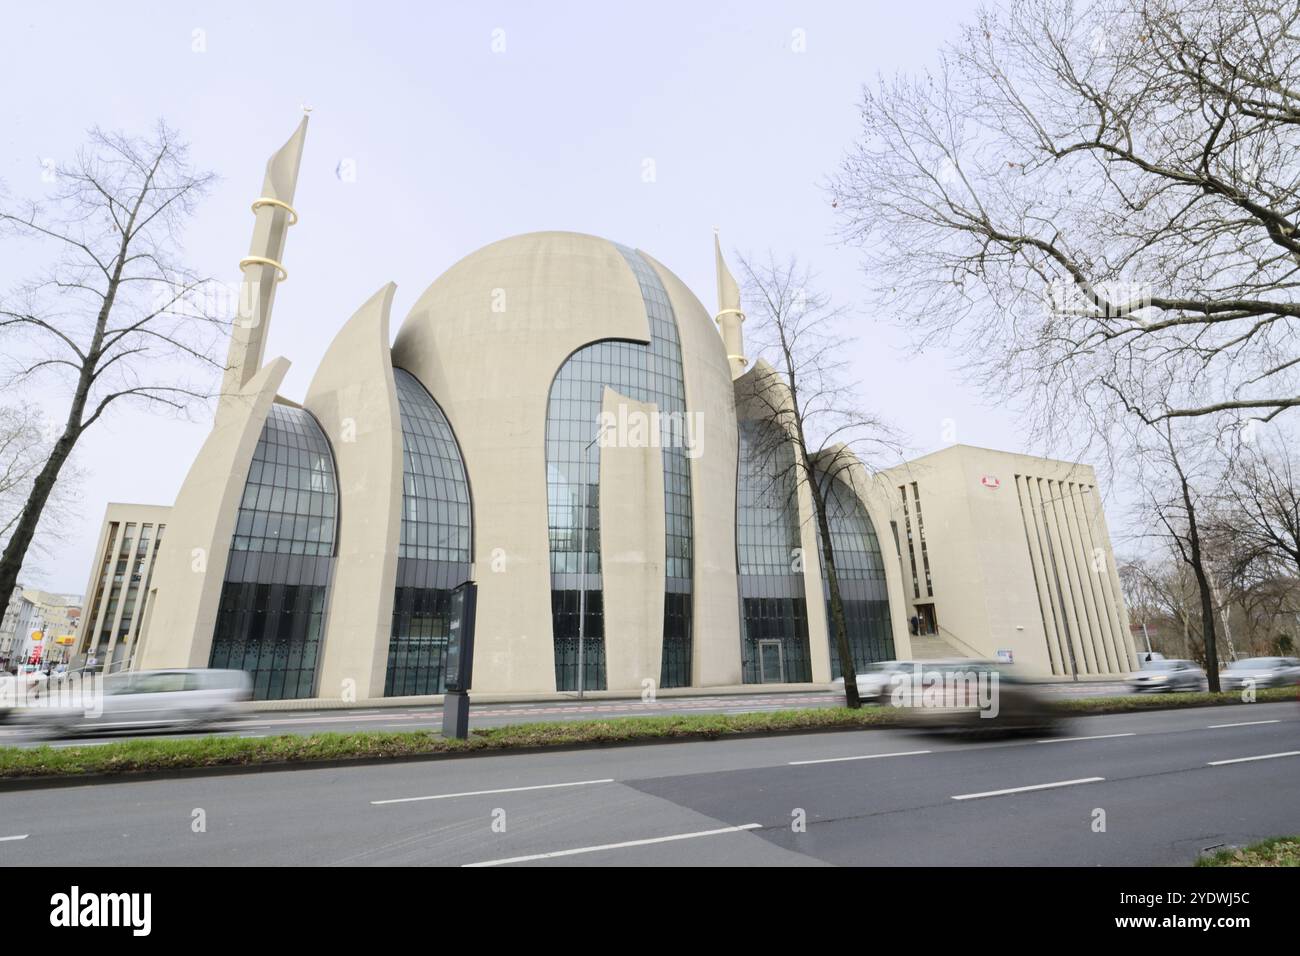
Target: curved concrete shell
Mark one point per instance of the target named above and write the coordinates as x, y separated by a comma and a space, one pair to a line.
192, 559
354, 399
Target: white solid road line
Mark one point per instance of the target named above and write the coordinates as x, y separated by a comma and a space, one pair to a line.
1248, 723
901, 753
21, 836
1066, 740
480, 793
1037, 786
616, 846
1220, 763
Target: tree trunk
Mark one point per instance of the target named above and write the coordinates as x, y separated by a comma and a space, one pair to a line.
1207, 627
1203, 585
838, 626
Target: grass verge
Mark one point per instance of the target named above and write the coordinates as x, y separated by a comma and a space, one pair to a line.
133, 756
137, 756
1129, 703
1279, 851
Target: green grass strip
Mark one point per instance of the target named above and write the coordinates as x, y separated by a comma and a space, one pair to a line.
1279, 851
135, 756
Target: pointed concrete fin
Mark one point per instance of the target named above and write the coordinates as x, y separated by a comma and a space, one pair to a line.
728, 290
282, 168
268, 377
360, 347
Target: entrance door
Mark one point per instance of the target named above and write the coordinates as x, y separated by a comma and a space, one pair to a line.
771, 663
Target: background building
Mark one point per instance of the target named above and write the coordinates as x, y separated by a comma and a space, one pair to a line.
9, 625
39, 627
118, 585
1009, 556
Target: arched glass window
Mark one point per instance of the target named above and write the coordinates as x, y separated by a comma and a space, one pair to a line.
651, 374
773, 608
860, 570
272, 610
435, 549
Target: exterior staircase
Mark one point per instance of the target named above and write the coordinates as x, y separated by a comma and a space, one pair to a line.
930, 647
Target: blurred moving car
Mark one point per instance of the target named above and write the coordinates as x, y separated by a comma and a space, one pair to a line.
191, 699
1264, 671
876, 680
975, 697
1168, 675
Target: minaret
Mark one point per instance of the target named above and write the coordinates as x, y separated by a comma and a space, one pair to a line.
263, 267
730, 317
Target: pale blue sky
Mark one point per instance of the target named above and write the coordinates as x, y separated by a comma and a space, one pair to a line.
455, 146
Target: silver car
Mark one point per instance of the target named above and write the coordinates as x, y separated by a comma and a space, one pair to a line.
1168, 675
1263, 671
189, 699
876, 681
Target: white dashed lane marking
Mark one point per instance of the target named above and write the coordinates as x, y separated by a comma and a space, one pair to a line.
618, 846
479, 793
1286, 753
901, 753
1037, 786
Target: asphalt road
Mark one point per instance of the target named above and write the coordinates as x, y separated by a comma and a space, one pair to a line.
1169, 783
269, 723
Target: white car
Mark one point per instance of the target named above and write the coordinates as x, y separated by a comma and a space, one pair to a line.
189, 698
1264, 671
876, 682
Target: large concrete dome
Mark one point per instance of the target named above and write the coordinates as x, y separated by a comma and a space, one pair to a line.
566, 288
489, 340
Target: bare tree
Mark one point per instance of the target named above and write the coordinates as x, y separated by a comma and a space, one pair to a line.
1179, 476
25, 444
1162, 596
1254, 528
113, 317
1258, 516
1099, 193
800, 389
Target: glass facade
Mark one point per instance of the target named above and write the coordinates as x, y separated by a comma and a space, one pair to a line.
773, 608
434, 552
860, 570
272, 610
651, 374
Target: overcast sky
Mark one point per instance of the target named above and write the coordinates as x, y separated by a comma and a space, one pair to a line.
455, 145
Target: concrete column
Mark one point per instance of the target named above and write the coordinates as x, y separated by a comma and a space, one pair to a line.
1083, 562
1055, 650
632, 536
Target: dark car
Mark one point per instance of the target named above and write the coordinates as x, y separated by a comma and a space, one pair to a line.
974, 697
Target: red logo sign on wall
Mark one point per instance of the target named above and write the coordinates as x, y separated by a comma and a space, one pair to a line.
991, 481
